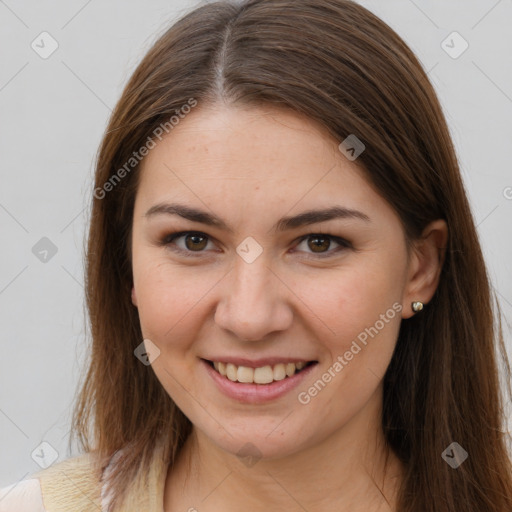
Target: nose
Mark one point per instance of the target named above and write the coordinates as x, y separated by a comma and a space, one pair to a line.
254, 301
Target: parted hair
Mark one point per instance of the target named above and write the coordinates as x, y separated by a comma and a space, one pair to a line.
340, 65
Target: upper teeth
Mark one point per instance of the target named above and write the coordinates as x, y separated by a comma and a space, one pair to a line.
262, 375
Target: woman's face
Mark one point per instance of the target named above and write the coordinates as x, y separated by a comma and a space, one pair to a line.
266, 285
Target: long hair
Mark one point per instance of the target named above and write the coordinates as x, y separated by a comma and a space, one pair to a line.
341, 66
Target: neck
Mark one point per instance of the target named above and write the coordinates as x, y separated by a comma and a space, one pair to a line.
352, 470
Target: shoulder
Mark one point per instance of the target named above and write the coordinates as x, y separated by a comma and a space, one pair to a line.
72, 484
24, 496
80, 484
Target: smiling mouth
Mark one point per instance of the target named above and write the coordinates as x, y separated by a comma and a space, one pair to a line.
263, 375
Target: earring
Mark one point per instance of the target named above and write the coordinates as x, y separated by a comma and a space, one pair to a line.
417, 306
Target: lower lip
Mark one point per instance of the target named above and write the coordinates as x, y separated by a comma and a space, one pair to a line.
257, 393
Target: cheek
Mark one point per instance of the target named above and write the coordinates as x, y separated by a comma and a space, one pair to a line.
339, 304
363, 308
168, 299
346, 302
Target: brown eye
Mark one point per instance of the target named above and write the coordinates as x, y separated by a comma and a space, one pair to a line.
320, 244
195, 241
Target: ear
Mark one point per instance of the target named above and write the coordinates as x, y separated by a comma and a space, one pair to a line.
425, 265
134, 297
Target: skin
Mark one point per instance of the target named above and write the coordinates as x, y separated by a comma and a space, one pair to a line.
252, 166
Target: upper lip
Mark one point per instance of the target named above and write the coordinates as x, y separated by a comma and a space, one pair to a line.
257, 363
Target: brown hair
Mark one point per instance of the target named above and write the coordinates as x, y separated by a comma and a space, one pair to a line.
338, 64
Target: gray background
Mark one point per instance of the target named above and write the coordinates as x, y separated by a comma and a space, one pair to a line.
54, 111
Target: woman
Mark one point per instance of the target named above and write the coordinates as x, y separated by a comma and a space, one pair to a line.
288, 300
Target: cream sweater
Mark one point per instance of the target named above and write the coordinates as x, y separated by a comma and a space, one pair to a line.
70, 486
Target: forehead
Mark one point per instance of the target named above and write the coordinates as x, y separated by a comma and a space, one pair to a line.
246, 160
261, 145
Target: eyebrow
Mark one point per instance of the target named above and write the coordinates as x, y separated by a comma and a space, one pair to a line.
283, 224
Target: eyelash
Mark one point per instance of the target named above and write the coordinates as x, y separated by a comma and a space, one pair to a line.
171, 237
